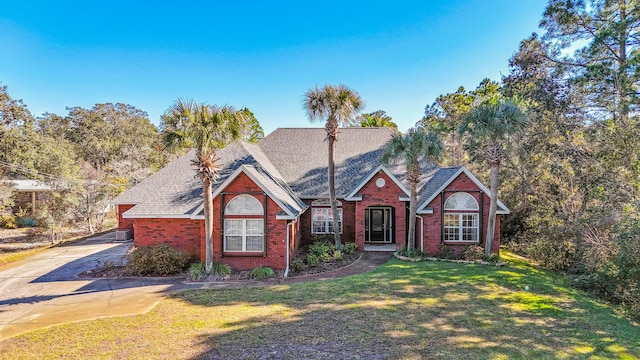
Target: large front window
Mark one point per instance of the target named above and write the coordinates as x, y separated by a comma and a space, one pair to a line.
322, 222
461, 218
244, 225
244, 235
461, 227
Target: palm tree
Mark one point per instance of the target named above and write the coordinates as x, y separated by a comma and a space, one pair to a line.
411, 147
489, 124
204, 128
336, 105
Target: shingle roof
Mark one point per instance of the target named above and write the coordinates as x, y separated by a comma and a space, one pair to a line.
175, 190
290, 164
301, 156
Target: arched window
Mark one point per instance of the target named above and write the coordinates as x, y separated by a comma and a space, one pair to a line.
244, 205
244, 225
461, 218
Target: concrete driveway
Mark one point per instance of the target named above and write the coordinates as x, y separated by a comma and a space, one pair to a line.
44, 290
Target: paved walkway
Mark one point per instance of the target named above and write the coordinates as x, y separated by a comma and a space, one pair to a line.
44, 290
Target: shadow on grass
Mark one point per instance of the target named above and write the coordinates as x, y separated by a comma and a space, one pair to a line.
417, 310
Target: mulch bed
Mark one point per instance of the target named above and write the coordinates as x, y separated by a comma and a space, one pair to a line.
112, 271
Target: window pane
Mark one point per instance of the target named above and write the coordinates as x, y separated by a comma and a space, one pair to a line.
244, 205
255, 227
233, 243
255, 243
233, 227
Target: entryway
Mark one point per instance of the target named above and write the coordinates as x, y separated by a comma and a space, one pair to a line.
379, 225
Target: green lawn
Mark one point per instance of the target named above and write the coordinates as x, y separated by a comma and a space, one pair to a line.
402, 310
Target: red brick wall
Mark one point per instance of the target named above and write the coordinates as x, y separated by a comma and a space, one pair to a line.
387, 195
124, 224
275, 233
182, 234
433, 222
348, 222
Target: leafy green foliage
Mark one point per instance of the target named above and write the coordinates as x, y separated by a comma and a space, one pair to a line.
349, 248
376, 119
313, 260
8, 222
197, 271
157, 260
297, 265
262, 273
446, 252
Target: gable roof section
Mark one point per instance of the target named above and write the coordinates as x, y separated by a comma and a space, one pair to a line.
441, 179
175, 192
352, 196
275, 188
301, 156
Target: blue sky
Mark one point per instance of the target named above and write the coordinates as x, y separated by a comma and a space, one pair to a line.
264, 55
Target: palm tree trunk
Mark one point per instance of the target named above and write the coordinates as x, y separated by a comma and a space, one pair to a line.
208, 223
411, 238
493, 206
332, 192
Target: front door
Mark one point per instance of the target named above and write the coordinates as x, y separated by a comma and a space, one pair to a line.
378, 223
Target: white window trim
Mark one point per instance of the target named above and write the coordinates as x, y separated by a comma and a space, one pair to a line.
244, 235
327, 219
460, 227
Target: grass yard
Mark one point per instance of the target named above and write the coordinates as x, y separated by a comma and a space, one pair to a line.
400, 311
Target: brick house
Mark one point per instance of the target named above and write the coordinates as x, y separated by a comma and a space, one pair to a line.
273, 197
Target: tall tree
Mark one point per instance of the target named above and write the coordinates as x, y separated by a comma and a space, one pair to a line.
336, 105
447, 113
254, 132
204, 128
488, 125
377, 118
411, 147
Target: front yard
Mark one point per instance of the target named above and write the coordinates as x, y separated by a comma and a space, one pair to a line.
402, 310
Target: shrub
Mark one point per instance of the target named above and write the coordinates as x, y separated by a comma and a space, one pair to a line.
25, 221
8, 222
313, 260
446, 252
220, 270
337, 255
297, 265
320, 248
197, 271
493, 258
415, 253
349, 248
473, 253
326, 257
161, 259
262, 273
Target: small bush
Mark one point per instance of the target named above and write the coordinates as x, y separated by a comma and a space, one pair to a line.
220, 270
25, 221
493, 258
321, 247
337, 255
473, 253
297, 265
197, 271
262, 273
326, 257
446, 252
8, 222
349, 248
313, 260
158, 260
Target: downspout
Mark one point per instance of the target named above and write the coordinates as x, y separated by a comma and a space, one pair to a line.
421, 232
286, 270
